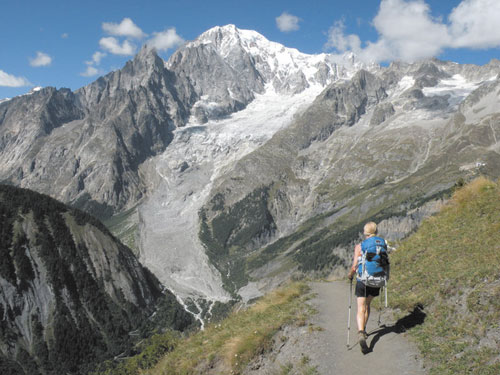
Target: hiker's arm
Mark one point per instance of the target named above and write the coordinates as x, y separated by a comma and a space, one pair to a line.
357, 253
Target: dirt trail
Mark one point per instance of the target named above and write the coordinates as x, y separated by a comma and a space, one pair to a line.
391, 352
321, 343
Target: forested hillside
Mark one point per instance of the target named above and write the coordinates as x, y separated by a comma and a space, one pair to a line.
70, 293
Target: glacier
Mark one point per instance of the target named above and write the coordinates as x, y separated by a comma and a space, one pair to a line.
198, 154
201, 152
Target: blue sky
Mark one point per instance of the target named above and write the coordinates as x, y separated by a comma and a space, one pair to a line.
70, 43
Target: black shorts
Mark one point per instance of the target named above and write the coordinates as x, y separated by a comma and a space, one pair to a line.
365, 291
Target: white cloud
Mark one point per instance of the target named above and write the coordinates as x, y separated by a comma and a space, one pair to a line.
476, 24
91, 64
41, 59
125, 28
65, 35
90, 72
12, 81
112, 45
341, 42
165, 40
287, 22
407, 31
97, 57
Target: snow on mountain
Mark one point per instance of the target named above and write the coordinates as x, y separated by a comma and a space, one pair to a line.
198, 155
33, 90
289, 70
457, 87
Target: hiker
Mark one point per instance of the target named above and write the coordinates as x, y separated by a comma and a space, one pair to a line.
370, 264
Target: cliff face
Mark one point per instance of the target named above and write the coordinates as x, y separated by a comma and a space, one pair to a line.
375, 147
262, 152
85, 147
69, 291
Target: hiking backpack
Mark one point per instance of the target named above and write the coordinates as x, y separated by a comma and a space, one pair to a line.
374, 262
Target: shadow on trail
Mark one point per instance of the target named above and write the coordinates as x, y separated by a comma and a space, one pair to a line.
415, 318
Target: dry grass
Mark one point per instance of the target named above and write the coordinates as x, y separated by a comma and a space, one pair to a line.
226, 348
473, 190
452, 267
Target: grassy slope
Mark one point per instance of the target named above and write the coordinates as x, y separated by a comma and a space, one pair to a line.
222, 348
452, 267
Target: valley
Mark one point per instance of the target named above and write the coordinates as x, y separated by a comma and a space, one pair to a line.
240, 163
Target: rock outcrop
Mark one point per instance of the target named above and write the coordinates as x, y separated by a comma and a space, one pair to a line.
70, 293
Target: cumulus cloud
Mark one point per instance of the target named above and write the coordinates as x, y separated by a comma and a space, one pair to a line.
341, 42
91, 64
407, 31
90, 71
475, 24
41, 59
12, 81
287, 22
113, 46
125, 28
165, 40
96, 58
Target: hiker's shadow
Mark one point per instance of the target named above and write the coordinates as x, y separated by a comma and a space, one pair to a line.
415, 318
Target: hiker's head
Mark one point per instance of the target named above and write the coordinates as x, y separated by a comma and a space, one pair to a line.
370, 229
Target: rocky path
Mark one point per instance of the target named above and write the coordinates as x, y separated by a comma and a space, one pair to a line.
391, 353
321, 343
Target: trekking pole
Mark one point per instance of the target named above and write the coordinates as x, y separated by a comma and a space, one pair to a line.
349, 317
385, 289
380, 312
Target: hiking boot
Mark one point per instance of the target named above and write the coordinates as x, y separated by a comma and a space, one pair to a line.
362, 336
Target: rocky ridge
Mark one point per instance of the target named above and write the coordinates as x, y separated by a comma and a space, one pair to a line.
374, 147
239, 151
202, 151
70, 293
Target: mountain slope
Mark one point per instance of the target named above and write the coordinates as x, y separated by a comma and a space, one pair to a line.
50, 139
234, 61
85, 147
374, 147
242, 160
454, 276
69, 291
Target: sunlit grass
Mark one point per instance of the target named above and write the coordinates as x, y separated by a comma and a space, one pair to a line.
230, 345
452, 267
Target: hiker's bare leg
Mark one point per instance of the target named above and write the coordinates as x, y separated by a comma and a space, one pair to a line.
367, 309
363, 311
361, 315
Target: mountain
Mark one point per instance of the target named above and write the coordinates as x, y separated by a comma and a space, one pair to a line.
49, 139
85, 147
224, 62
374, 147
70, 293
228, 66
239, 162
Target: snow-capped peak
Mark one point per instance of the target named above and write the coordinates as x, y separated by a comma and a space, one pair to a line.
288, 69
32, 91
